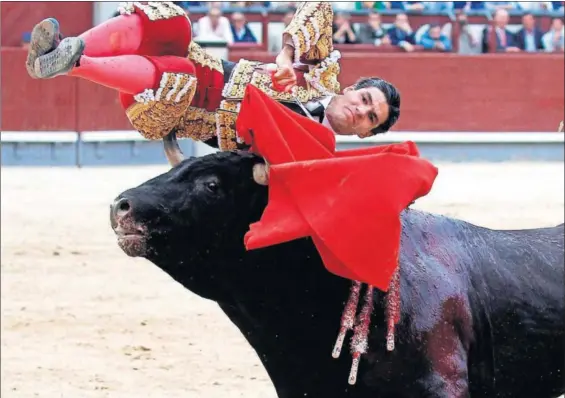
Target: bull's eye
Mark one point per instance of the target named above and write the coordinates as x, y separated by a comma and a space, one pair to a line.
212, 186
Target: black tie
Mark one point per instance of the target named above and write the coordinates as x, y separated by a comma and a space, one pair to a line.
317, 110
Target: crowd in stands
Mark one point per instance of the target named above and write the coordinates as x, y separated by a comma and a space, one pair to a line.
432, 6
528, 37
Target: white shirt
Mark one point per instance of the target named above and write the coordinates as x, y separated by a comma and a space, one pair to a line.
325, 102
535, 5
222, 31
548, 40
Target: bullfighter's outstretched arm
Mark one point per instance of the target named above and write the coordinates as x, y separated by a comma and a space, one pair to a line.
310, 32
308, 40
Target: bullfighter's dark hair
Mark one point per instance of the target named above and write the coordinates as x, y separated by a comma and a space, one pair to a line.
392, 97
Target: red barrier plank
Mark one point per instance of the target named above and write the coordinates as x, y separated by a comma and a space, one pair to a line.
440, 92
35, 105
98, 108
20, 16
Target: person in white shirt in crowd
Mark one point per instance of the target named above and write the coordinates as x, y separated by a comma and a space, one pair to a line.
215, 27
501, 5
275, 38
554, 39
535, 5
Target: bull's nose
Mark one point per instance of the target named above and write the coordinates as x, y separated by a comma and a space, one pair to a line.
119, 209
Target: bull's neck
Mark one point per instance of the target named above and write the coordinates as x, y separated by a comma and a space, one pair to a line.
289, 308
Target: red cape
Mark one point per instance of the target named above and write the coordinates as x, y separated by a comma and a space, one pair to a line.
348, 202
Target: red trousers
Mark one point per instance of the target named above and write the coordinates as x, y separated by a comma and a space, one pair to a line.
130, 53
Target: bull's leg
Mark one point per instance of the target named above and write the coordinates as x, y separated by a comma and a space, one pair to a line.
156, 29
447, 355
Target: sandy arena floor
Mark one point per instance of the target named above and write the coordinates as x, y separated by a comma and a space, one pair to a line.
80, 319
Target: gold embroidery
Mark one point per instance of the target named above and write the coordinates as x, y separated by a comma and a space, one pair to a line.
226, 117
157, 10
198, 55
324, 76
198, 124
311, 31
155, 114
263, 82
244, 73
240, 78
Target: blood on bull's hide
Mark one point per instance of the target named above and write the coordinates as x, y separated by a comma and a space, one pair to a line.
481, 310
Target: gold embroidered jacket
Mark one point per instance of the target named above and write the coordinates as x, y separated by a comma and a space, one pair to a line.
212, 112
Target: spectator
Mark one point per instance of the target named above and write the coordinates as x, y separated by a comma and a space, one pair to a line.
469, 5
473, 5
283, 4
462, 5
530, 6
529, 37
433, 39
505, 41
413, 5
501, 5
240, 29
553, 40
217, 4
373, 32
397, 5
343, 32
343, 6
275, 39
372, 5
250, 4
468, 44
401, 33
215, 27
438, 6
186, 4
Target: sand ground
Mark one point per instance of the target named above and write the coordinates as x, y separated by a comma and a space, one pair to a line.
80, 319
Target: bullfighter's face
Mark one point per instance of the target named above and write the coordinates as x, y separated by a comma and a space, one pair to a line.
357, 112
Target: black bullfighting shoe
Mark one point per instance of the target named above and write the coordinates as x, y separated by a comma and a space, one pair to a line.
61, 60
45, 37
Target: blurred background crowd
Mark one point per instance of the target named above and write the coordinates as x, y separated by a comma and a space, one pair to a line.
361, 22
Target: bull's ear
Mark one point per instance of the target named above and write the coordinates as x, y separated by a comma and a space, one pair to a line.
261, 173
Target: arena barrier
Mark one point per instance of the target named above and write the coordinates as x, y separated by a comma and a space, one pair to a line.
91, 148
440, 92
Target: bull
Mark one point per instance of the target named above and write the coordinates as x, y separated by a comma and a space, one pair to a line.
482, 310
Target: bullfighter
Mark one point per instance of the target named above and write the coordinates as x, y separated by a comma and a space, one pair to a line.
166, 82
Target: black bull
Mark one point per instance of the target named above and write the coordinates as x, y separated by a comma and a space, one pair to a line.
482, 311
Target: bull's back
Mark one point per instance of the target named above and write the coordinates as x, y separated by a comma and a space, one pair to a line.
514, 281
520, 309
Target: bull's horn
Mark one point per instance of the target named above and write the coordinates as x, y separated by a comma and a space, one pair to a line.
172, 149
261, 173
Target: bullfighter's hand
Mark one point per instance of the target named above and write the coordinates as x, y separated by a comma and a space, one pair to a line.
284, 77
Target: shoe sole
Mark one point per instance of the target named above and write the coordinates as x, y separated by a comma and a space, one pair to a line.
44, 38
61, 60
